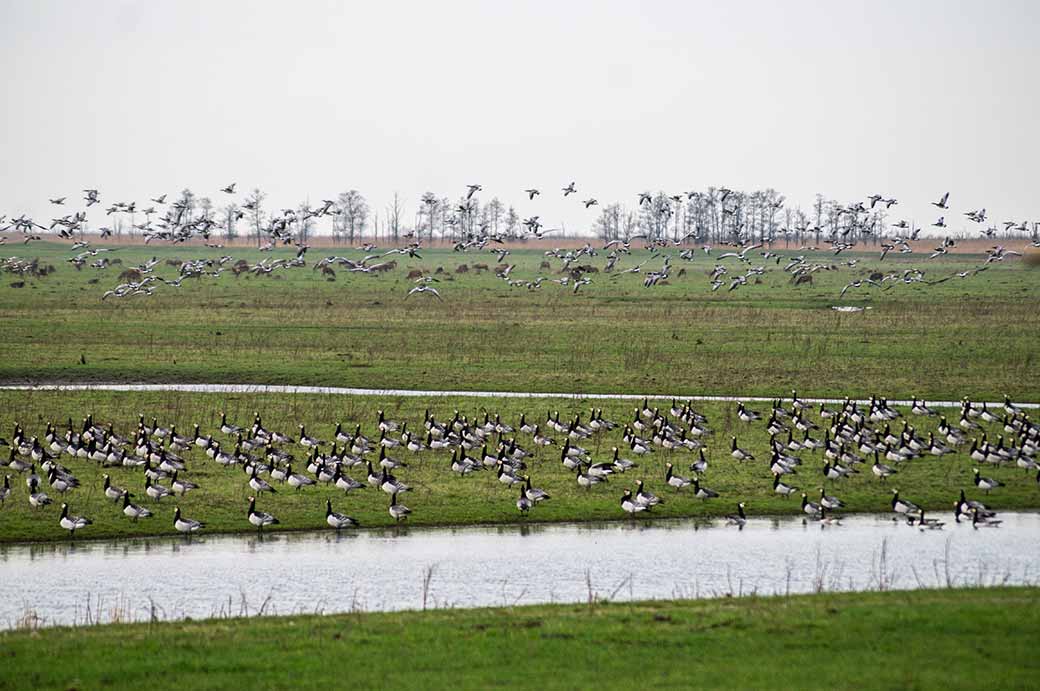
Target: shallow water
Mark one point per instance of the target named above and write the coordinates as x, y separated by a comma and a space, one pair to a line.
417, 393
491, 566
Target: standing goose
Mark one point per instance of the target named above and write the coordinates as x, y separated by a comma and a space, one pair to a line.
36, 498
739, 520
297, 480
133, 511
902, 505
533, 493
181, 487
830, 501
398, 512
811, 508
881, 470
644, 498
72, 523
338, 520
676, 481
523, 503
781, 488
703, 493
186, 525
259, 518
986, 483
111, 491
632, 506
738, 453
258, 484
155, 491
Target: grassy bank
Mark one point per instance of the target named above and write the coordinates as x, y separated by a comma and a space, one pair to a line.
973, 336
438, 496
948, 639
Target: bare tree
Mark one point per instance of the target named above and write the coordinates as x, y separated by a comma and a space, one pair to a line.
231, 215
353, 214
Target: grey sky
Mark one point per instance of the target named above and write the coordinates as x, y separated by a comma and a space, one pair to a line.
308, 99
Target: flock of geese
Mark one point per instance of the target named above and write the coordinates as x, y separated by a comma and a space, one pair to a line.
750, 259
843, 441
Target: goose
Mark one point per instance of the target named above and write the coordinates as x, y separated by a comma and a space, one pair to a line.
155, 491
388, 462
133, 511
622, 464
811, 508
391, 485
36, 498
258, 484
927, 523
523, 503
462, 465
1009, 407
881, 470
412, 444
644, 498
985, 483
309, 442
676, 481
72, 523
836, 471
964, 506
746, 415
345, 482
703, 493
5, 491
259, 518
338, 520
533, 493
228, 429
631, 505
186, 525
506, 475
902, 505
111, 491
587, 480
937, 448
16, 464
386, 425
738, 453
374, 479
181, 487
781, 488
60, 482
739, 519
978, 520
826, 520
296, 480
830, 501
701, 464
398, 512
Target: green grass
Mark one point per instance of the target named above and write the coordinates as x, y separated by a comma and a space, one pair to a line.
973, 337
439, 496
932, 639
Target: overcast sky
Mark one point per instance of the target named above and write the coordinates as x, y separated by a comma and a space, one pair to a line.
308, 99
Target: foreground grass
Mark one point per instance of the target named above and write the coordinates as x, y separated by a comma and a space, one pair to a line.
948, 639
972, 337
439, 497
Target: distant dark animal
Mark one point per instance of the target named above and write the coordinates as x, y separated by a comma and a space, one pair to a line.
481, 267
545, 265
415, 273
131, 276
461, 269
803, 278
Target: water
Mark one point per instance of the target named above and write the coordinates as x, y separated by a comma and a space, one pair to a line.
414, 393
493, 566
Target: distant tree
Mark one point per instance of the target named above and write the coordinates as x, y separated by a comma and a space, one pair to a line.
512, 221
255, 203
393, 217
608, 225
230, 214
353, 214
493, 213
431, 207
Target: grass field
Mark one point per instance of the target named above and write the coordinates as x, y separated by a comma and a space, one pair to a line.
941, 639
974, 337
439, 497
